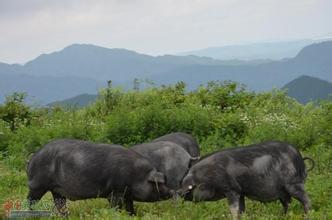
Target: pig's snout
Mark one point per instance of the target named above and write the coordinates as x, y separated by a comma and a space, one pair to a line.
167, 194
172, 194
186, 194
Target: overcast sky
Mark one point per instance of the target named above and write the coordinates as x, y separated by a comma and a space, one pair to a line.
31, 27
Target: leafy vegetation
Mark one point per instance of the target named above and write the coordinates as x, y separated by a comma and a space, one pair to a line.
219, 115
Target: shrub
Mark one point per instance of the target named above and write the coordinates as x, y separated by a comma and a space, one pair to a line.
15, 112
219, 115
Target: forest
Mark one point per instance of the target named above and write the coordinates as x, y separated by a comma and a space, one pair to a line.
219, 115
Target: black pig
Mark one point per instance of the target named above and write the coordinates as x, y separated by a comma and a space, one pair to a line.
168, 158
75, 170
265, 172
185, 140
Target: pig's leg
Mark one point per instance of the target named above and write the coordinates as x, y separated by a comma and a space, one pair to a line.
60, 203
242, 205
297, 191
285, 200
34, 196
234, 203
116, 201
129, 205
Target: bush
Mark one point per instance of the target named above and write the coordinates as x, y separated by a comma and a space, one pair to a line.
5, 136
219, 115
15, 112
149, 122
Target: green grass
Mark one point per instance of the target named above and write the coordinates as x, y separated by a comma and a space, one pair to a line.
13, 186
219, 115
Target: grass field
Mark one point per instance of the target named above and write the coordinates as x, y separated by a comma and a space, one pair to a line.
13, 187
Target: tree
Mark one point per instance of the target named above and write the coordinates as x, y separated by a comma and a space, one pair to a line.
15, 112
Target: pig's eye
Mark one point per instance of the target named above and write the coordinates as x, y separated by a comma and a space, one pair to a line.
190, 187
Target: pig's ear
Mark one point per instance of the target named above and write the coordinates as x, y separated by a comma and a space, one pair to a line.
157, 177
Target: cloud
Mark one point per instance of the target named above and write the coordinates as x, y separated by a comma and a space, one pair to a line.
31, 27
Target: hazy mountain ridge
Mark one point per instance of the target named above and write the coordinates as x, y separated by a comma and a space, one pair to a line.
314, 60
76, 101
44, 89
84, 68
268, 50
307, 88
83, 60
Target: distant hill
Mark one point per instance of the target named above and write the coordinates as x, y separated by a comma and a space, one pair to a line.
77, 101
79, 69
44, 89
313, 60
255, 51
307, 88
99, 63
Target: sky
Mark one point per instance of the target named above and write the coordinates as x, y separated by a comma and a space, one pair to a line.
29, 28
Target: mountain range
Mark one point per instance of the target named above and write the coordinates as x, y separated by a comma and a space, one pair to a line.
82, 68
313, 60
275, 50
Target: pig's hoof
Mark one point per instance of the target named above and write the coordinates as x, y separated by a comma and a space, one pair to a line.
61, 212
65, 213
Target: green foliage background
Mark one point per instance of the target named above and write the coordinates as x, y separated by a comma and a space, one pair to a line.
219, 115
